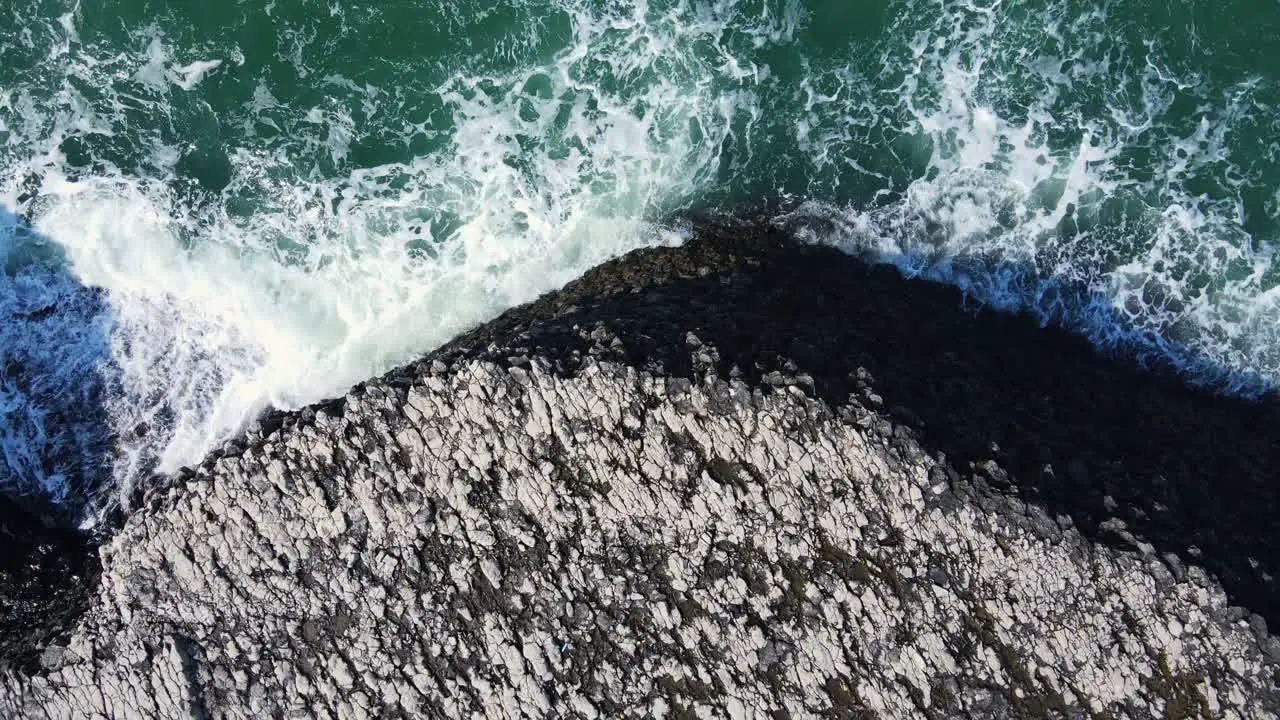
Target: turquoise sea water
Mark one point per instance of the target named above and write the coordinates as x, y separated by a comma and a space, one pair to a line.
209, 208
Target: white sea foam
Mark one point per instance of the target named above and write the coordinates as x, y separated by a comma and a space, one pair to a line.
215, 316
1141, 264
256, 256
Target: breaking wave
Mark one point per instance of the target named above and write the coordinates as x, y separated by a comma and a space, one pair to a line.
219, 211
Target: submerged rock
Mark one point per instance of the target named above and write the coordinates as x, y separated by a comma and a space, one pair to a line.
718, 480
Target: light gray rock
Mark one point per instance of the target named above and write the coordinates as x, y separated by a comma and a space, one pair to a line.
639, 507
513, 543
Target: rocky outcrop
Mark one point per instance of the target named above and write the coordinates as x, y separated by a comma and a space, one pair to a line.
738, 478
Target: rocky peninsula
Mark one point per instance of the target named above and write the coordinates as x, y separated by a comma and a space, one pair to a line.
738, 478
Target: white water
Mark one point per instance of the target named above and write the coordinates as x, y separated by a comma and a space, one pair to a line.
309, 272
214, 317
1180, 281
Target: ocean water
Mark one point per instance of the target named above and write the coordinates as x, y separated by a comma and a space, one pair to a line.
207, 209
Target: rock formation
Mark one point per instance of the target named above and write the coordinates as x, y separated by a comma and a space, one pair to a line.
739, 478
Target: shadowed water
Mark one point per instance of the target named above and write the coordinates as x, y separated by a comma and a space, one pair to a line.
57, 442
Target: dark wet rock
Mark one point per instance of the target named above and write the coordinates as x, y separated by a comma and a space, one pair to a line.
735, 478
47, 576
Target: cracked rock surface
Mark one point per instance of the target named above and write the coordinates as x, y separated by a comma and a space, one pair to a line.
634, 498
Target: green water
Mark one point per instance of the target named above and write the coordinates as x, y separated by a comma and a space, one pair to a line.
277, 199
848, 73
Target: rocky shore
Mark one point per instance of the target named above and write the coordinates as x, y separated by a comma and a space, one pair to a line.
740, 478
